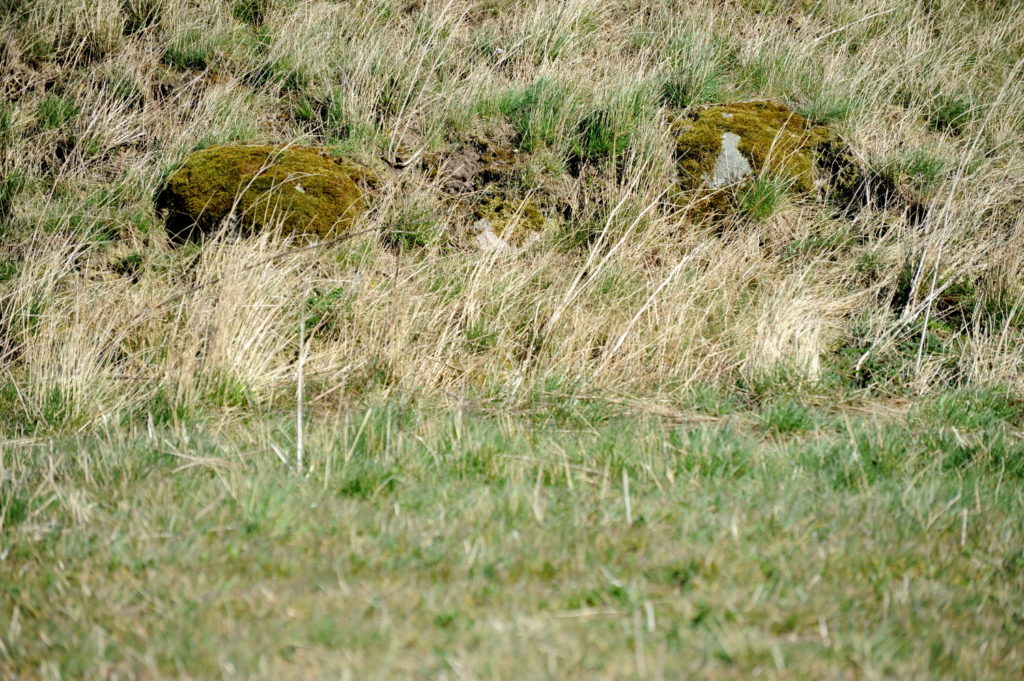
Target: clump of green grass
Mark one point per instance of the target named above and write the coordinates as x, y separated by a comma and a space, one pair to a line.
541, 112
950, 113
481, 336
611, 128
761, 198
685, 88
336, 118
697, 72
828, 108
193, 49
281, 71
125, 86
11, 185
56, 111
787, 417
919, 172
972, 408
227, 391
130, 265
8, 269
712, 400
162, 408
416, 224
323, 310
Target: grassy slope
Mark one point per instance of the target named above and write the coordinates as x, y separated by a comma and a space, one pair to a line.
818, 415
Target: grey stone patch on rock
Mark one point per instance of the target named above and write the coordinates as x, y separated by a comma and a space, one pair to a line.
731, 165
486, 240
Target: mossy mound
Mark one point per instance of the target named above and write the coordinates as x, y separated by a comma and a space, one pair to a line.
514, 220
304, 189
720, 146
485, 179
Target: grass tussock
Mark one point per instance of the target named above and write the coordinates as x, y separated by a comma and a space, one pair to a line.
733, 361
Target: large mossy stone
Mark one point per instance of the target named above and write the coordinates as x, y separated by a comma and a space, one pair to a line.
720, 147
303, 189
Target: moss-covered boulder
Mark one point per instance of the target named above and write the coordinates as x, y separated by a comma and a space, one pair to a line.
723, 146
304, 189
516, 220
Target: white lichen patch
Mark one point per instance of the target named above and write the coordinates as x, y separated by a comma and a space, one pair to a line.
731, 166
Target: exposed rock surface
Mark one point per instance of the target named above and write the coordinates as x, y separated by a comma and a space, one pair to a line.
304, 189
720, 146
731, 165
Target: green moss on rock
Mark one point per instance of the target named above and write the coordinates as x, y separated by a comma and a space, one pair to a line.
775, 142
304, 189
488, 179
514, 220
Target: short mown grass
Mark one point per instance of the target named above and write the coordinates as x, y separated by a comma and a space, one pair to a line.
419, 542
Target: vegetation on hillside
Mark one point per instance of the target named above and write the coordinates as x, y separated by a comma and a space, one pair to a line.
634, 443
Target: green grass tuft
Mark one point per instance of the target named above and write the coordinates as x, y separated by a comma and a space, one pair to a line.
55, 111
761, 198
